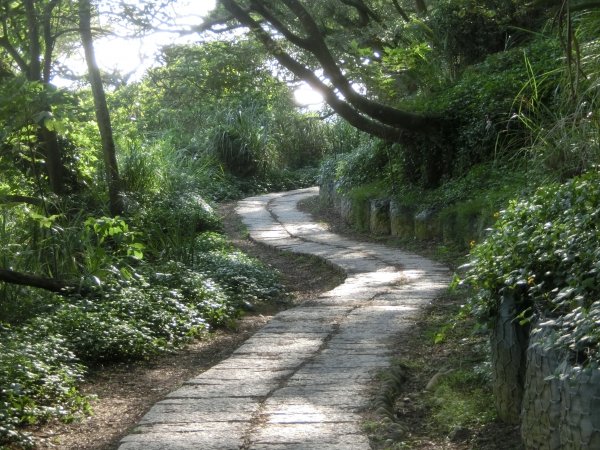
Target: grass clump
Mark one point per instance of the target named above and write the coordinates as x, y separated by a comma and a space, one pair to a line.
462, 399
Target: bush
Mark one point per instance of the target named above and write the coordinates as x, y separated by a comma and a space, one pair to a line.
244, 279
38, 381
200, 291
365, 164
482, 113
171, 222
466, 30
156, 310
544, 249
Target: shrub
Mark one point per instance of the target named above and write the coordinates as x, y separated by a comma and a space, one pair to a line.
244, 279
466, 30
365, 164
545, 250
38, 381
481, 110
156, 310
199, 291
170, 224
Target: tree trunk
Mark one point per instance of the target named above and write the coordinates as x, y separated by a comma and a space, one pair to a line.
102, 113
27, 279
48, 140
421, 7
54, 164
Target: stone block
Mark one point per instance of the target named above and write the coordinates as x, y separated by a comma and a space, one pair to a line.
346, 210
402, 220
427, 226
379, 216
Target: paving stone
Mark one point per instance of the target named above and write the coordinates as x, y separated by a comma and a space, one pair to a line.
315, 434
301, 382
193, 410
219, 375
232, 390
205, 435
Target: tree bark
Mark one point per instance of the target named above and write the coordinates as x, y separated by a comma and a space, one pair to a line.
401, 11
421, 7
48, 139
54, 165
35, 53
102, 113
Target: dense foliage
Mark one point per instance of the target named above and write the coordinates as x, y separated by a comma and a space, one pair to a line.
544, 251
136, 311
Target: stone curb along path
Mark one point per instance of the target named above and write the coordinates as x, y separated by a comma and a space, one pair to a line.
301, 381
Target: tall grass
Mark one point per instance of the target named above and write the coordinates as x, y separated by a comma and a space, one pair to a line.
565, 134
243, 141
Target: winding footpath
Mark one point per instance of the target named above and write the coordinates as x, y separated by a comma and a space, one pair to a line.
302, 381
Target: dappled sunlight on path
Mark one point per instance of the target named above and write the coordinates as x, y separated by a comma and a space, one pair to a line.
301, 381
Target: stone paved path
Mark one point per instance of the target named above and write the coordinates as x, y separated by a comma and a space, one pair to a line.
300, 382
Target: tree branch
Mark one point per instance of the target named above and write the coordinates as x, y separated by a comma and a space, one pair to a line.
316, 45
5, 44
365, 13
27, 279
401, 11
4, 199
341, 107
279, 26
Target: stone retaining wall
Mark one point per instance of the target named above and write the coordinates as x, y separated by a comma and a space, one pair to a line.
556, 401
384, 216
561, 401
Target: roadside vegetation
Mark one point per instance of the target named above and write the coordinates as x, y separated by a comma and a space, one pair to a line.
518, 201
485, 113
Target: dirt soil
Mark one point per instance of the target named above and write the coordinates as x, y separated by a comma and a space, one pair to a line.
126, 391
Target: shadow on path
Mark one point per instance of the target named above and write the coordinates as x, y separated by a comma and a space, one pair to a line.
300, 382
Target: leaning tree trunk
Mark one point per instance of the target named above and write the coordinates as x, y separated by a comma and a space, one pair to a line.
27, 279
102, 114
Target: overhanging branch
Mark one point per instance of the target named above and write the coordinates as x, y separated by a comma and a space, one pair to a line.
340, 106
26, 279
314, 43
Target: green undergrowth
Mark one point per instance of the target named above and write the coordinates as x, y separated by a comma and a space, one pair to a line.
138, 299
439, 388
544, 251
